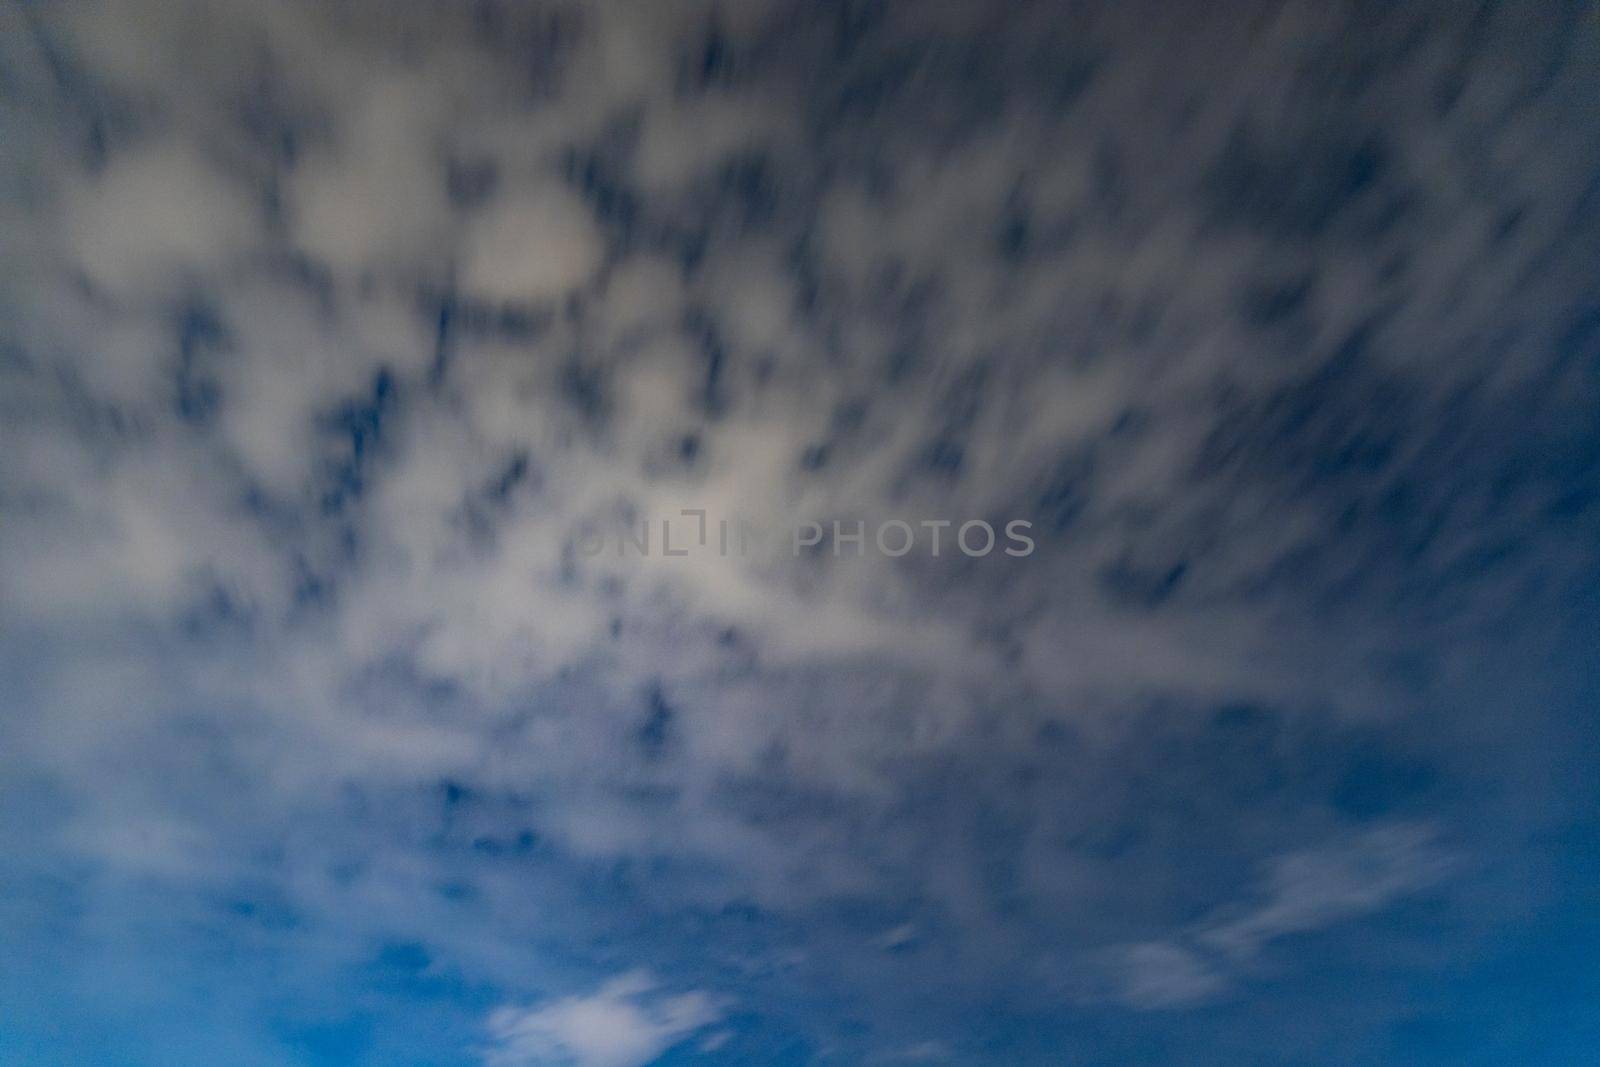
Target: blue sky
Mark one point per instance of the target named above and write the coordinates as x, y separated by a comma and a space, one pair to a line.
348, 352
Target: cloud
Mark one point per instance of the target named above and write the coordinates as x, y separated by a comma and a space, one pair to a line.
157, 219
375, 199
1304, 890
537, 246
1312, 888
921, 1052
628, 1022
330, 330
1159, 974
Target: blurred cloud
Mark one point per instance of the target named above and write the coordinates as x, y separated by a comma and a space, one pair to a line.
327, 331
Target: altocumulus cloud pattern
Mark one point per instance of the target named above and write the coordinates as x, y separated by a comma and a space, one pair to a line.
378, 382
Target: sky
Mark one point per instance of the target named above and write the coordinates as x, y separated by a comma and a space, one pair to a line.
606, 533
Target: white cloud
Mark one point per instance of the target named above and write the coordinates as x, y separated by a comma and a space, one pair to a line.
1311, 888
354, 629
685, 141
1158, 975
628, 1022
921, 1052
1304, 890
533, 245
376, 200
160, 217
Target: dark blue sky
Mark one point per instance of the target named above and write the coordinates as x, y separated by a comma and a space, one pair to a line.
348, 350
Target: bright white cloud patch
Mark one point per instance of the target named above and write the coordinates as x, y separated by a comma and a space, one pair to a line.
628, 1022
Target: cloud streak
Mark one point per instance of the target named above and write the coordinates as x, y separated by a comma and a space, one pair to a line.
1304, 891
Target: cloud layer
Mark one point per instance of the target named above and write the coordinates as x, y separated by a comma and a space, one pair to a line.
334, 333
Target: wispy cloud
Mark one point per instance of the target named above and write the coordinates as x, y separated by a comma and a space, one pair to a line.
627, 1022
1305, 890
